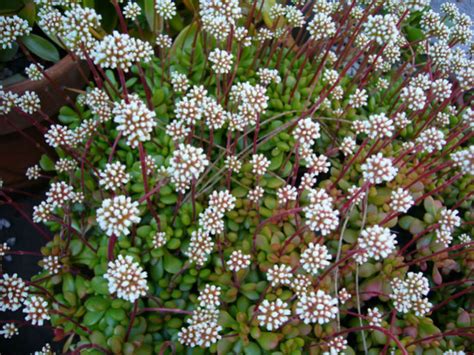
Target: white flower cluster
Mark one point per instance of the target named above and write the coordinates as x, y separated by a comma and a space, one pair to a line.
376, 242
251, 100
58, 135
179, 81
272, 315
374, 316
414, 97
186, 165
218, 17
286, 194
51, 264
165, 8
36, 309
163, 41
321, 27
33, 172
126, 278
408, 295
401, 200
34, 71
320, 215
159, 239
316, 307
45, 350
4, 247
378, 169
259, 164
314, 258
121, 51
306, 132
114, 176
348, 145
379, 126
448, 222
59, 194
29, 102
13, 292
279, 275
203, 329
200, 247
238, 261
75, 28
431, 139
337, 345
267, 76
132, 10
221, 61
358, 98
42, 212
9, 330
135, 120
12, 27
117, 214
256, 194
382, 29
465, 160
65, 165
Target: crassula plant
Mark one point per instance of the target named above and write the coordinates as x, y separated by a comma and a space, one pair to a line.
278, 178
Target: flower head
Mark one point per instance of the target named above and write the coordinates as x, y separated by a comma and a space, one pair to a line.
316, 307
13, 292
209, 297
9, 330
134, 120
187, 164
401, 200
238, 261
113, 176
221, 61
126, 278
280, 275
314, 258
378, 169
272, 315
29, 102
165, 8
377, 242
117, 214
12, 27
36, 309
260, 164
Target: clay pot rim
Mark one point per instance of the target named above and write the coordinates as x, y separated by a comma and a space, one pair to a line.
64, 73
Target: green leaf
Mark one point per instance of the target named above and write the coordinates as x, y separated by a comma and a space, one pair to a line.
252, 349
99, 285
172, 264
268, 341
97, 304
92, 318
46, 163
41, 47
150, 13
67, 115
414, 34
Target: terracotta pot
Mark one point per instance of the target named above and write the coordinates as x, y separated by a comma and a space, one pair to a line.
17, 152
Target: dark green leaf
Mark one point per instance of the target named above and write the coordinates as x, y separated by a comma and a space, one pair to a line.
41, 47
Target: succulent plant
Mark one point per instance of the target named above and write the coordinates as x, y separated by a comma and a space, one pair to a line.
275, 179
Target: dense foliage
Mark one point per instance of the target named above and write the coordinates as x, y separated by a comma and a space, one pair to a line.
275, 179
